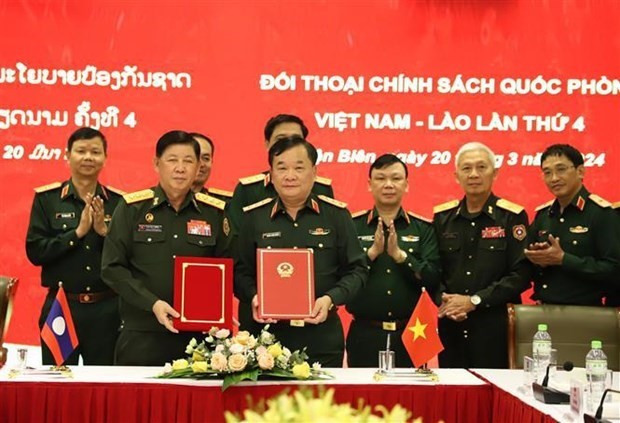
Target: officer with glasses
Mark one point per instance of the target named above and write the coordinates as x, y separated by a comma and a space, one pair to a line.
573, 241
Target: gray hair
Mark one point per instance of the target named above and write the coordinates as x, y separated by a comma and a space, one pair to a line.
474, 146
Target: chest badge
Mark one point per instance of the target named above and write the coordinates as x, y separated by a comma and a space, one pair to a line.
493, 232
579, 229
519, 232
319, 231
410, 238
198, 227
65, 215
149, 217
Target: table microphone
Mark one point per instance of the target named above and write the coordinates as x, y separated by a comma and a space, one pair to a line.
548, 395
598, 417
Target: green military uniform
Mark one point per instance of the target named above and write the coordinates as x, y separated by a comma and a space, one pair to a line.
138, 262
220, 194
52, 243
385, 304
248, 191
481, 254
588, 230
613, 294
340, 271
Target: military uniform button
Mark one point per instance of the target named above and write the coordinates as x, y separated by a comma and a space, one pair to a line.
409, 264
294, 247
320, 245
388, 271
88, 247
365, 249
491, 247
88, 288
368, 267
149, 239
269, 247
200, 242
175, 236
71, 243
545, 286
468, 273
411, 250
561, 220
87, 267
465, 331
296, 224
464, 336
470, 256
467, 291
575, 242
389, 292
64, 226
390, 313
471, 239
473, 223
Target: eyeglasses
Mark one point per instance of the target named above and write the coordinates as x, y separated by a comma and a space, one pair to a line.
558, 170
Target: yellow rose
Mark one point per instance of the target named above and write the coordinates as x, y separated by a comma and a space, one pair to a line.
180, 364
301, 371
198, 356
275, 350
242, 337
218, 362
237, 362
199, 366
265, 361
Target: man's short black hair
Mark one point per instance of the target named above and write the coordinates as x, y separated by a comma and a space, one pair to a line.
386, 160
204, 137
86, 133
282, 118
286, 143
176, 137
569, 151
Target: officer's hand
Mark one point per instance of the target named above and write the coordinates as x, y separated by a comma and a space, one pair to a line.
392, 245
379, 244
164, 314
86, 218
255, 314
98, 214
550, 256
455, 306
320, 310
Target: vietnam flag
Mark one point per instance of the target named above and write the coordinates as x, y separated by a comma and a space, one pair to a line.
58, 332
420, 337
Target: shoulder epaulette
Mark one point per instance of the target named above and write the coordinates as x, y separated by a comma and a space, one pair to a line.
322, 180
115, 190
417, 216
134, 197
252, 179
333, 202
221, 192
616, 205
211, 201
509, 205
446, 206
600, 201
258, 204
359, 213
544, 205
48, 187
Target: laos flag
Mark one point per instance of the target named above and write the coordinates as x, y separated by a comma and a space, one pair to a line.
58, 332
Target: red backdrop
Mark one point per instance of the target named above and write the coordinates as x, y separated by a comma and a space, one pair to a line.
412, 77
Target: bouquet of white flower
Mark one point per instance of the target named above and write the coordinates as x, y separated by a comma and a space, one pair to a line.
241, 357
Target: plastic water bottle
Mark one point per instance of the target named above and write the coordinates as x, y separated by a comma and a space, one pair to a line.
596, 372
541, 350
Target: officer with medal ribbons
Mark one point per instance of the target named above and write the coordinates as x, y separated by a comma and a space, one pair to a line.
481, 241
149, 228
68, 223
298, 218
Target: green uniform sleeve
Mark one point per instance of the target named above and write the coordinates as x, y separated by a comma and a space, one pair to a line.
115, 263
43, 246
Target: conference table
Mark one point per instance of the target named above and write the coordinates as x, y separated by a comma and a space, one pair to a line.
132, 394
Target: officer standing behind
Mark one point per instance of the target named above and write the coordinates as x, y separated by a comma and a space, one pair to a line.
296, 217
68, 223
255, 188
403, 257
574, 238
481, 242
149, 229
207, 151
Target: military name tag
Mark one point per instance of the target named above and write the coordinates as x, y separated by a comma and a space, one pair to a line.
319, 231
150, 228
65, 215
579, 229
410, 238
272, 235
366, 238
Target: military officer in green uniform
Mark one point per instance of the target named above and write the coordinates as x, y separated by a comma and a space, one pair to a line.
481, 242
253, 189
68, 223
403, 257
207, 151
148, 230
297, 218
573, 240
613, 294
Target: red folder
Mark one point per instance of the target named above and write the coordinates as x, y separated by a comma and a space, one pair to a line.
285, 282
203, 293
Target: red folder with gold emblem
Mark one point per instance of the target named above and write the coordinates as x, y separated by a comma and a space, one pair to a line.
203, 293
285, 282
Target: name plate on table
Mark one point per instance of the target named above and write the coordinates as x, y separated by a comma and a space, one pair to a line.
203, 293
285, 282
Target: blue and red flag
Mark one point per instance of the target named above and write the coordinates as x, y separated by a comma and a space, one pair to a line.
58, 332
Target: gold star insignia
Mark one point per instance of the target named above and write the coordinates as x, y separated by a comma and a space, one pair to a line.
418, 330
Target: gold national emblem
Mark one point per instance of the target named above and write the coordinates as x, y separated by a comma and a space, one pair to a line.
149, 217
285, 269
226, 226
